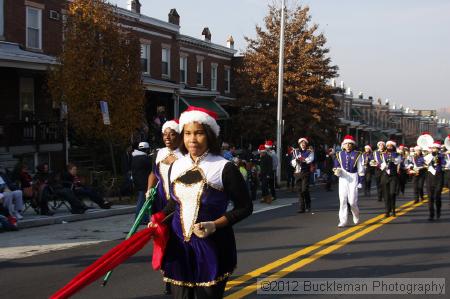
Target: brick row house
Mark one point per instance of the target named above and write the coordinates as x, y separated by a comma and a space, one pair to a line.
177, 71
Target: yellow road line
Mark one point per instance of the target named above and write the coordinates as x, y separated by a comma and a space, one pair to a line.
259, 271
303, 262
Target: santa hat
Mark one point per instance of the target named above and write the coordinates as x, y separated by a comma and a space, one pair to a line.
417, 148
201, 116
436, 144
368, 146
303, 139
262, 148
269, 144
391, 142
411, 148
401, 146
348, 139
171, 124
381, 142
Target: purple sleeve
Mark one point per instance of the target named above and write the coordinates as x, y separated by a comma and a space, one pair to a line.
336, 162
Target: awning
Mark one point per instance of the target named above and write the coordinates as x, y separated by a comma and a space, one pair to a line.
206, 103
11, 55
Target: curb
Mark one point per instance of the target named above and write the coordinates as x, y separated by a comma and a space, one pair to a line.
93, 214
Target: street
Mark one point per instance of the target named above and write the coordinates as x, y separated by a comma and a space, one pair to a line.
271, 243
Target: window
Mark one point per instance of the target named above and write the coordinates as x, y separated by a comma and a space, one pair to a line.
2, 18
227, 76
165, 63
26, 96
200, 72
145, 59
213, 76
34, 28
183, 69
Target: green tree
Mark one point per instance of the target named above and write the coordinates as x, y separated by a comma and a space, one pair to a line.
100, 61
308, 109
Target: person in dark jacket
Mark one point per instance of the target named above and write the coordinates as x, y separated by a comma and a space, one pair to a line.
141, 167
266, 173
71, 180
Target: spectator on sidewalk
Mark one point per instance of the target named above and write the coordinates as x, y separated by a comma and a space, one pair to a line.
290, 169
226, 153
72, 181
49, 185
266, 167
12, 196
141, 167
253, 174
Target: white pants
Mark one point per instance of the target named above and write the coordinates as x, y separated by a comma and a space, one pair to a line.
348, 193
13, 201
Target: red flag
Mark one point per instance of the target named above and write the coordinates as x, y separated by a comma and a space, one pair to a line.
118, 255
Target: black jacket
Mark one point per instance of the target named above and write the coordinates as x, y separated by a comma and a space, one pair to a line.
141, 167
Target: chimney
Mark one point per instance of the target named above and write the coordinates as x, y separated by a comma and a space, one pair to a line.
174, 17
134, 6
230, 42
207, 34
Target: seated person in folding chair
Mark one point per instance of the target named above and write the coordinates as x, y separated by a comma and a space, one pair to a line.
70, 179
48, 187
12, 196
7, 222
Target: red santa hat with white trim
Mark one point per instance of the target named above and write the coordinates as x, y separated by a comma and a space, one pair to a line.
348, 139
368, 146
391, 142
303, 139
200, 115
381, 142
436, 144
262, 148
268, 144
171, 124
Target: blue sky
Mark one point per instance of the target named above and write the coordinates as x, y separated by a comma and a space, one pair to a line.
390, 49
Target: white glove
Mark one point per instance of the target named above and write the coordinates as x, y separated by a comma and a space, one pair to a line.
204, 229
359, 186
147, 194
337, 172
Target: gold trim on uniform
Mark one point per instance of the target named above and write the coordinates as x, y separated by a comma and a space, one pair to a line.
197, 284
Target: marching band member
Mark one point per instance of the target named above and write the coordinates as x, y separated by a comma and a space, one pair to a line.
349, 167
369, 169
418, 170
378, 158
390, 167
447, 161
201, 251
435, 179
164, 158
403, 175
302, 159
273, 178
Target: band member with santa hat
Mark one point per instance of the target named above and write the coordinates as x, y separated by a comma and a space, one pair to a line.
377, 157
369, 164
349, 167
402, 175
273, 179
390, 167
418, 171
201, 251
164, 158
301, 161
435, 162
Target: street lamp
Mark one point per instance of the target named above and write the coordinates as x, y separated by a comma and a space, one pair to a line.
280, 93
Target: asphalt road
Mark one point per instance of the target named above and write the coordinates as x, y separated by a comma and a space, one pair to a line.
273, 243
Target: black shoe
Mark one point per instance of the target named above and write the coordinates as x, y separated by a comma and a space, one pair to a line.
386, 215
430, 218
438, 215
301, 211
379, 199
416, 201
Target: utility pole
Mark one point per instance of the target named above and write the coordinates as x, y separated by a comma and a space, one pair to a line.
280, 94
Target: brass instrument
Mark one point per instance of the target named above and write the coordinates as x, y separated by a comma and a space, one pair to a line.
425, 141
